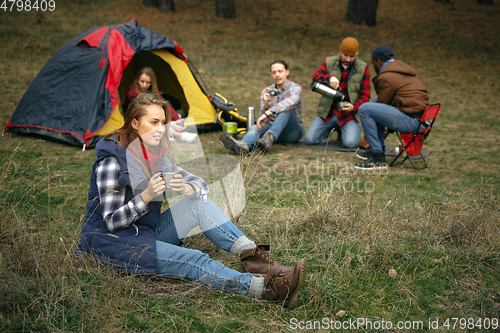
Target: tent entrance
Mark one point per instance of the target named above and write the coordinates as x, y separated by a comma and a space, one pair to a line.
168, 83
176, 82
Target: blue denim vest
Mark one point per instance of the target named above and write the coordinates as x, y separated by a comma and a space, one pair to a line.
126, 250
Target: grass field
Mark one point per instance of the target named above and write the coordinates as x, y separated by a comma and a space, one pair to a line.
410, 246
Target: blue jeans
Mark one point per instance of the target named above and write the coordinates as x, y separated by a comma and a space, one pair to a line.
285, 128
320, 129
193, 265
375, 117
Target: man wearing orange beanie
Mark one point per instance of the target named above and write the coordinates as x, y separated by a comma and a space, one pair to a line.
346, 72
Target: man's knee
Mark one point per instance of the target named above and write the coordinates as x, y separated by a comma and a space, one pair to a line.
313, 134
351, 140
365, 109
310, 138
350, 143
350, 134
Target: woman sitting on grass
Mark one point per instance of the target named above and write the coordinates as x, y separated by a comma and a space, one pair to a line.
145, 80
124, 226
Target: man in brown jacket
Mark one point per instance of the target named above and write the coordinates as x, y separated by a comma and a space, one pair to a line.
399, 105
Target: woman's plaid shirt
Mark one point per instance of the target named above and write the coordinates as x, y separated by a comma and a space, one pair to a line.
119, 214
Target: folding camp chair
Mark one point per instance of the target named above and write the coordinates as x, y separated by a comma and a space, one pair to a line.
412, 142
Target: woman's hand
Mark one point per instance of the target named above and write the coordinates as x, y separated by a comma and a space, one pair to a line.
180, 187
178, 125
155, 188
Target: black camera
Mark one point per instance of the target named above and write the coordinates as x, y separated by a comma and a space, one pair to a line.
326, 90
273, 92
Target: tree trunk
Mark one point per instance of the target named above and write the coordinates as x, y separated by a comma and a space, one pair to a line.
225, 9
485, 2
362, 12
162, 5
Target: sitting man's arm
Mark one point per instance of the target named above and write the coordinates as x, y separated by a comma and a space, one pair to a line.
322, 75
265, 99
364, 91
385, 91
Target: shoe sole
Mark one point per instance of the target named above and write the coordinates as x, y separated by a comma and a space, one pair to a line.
375, 167
360, 157
229, 143
293, 299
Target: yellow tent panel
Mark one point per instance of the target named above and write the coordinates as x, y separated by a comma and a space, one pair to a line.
114, 122
200, 107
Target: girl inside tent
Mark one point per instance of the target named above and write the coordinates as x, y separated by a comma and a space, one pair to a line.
145, 80
124, 226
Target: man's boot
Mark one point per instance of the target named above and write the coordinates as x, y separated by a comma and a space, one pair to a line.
285, 287
231, 143
377, 161
258, 261
364, 154
266, 141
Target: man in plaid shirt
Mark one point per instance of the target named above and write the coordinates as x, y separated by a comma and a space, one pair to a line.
346, 72
280, 117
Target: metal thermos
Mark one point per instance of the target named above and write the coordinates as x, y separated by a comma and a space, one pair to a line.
250, 116
327, 91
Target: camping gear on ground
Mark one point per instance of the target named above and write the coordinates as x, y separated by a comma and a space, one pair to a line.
412, 143
77, 96
230, 127
227, 112
327, 91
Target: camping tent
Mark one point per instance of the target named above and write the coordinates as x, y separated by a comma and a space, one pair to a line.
77, 96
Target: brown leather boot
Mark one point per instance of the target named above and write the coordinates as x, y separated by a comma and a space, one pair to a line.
258, 261
285, 287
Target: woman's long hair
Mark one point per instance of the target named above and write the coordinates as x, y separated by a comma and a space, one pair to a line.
154, 84
126, 134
